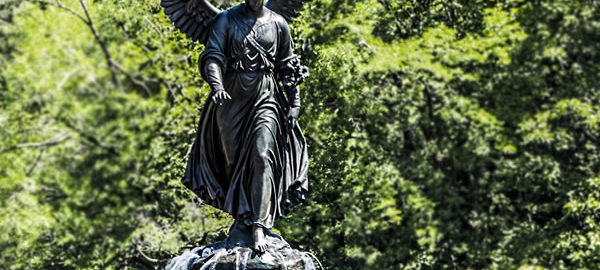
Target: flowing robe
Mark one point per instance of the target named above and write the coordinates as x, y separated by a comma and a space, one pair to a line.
246, 160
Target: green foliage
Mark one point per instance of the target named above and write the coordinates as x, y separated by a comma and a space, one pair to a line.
442, 134
403, 19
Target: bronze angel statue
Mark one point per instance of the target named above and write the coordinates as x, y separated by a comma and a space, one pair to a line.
249, 158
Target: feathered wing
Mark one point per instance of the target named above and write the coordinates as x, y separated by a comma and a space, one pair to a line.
191, 17
286, 8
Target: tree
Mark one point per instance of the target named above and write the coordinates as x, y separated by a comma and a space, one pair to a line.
443, 135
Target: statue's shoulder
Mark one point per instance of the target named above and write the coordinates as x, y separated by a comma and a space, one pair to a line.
232, 12
224, 18
280, 20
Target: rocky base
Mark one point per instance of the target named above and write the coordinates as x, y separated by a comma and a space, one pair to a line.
227, 256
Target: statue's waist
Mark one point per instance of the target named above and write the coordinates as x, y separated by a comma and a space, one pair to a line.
249, 76
262, 71
245, 66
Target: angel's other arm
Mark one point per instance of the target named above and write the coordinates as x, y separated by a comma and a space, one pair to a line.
216, 46
213, 59
214, 77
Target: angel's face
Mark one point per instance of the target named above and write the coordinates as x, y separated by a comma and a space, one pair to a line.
255, 5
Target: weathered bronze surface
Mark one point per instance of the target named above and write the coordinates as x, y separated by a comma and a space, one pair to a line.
249, 158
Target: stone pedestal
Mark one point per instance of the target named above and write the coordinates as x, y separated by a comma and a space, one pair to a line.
227, 256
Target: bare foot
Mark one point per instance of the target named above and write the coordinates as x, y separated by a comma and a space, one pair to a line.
260, 243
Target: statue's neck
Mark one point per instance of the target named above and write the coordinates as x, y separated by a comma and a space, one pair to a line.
254, 13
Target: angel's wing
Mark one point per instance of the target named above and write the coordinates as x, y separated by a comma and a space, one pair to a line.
191, 17
286, 8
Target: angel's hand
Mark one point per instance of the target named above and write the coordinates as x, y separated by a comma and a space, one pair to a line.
220, 96
293, 114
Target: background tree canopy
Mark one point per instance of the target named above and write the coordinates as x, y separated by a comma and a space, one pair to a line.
443, 135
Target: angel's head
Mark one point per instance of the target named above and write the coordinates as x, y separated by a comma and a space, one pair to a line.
255, 5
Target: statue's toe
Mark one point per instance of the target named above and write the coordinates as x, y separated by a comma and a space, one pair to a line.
260, 248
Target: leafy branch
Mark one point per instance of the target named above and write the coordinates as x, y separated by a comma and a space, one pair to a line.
87, 20
35, 144
113, 66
